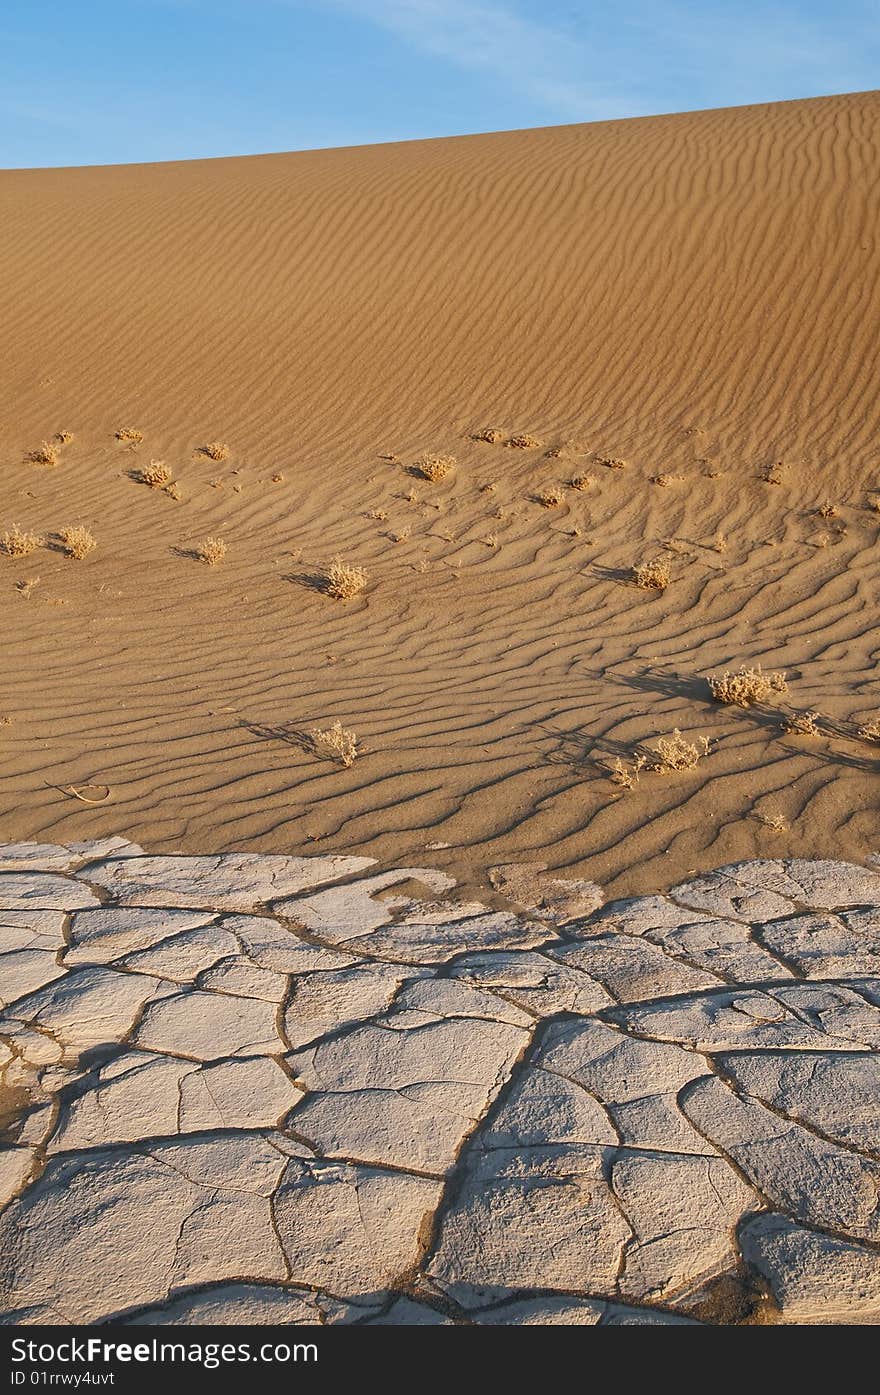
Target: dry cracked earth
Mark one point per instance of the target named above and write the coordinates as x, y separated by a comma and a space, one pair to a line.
281, 1089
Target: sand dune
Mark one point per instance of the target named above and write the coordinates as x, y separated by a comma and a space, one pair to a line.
696, 295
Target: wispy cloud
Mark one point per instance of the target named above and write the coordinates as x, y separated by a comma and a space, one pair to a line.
579, 61
540, 60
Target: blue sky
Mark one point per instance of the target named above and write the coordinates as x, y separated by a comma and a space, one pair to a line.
95, 82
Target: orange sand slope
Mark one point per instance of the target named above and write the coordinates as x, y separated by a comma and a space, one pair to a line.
695, 295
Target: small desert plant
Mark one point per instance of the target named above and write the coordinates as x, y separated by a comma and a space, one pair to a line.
78, 542
666, 480
627, 776
490, 434
435, 467
278, 477
583, 482
652, 575
828, 510
775, 822
24, 588
335, 742
676, 753
747, 687
64, 438
156, 475
566, 450
343, 582
870, 730
612, 462
522, 441
216, 450
551, 496
491, 540
719, 542
211, 551
45, 454
19, 544
378, 514
713, 470
130, 434
777, 473
801, 724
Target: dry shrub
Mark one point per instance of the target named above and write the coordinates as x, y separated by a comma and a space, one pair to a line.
24, 588
64, 438
801, 724
19, 544
719, 542
613, 462
45, 454
747, 687
211, 551
343, 582
216, 450
156, 475
828, 510
173, 491
78, 542
491, 540
775, 822
666, 480
566, 450
435, 467
551, 496
652, 575
335, 742
278, 477
522, 441
870, 730
675, 753
378, 514
490, 434
130, 434
627, 776
583, 482
777, 473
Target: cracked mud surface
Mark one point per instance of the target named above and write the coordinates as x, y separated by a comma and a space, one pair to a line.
280, 1089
